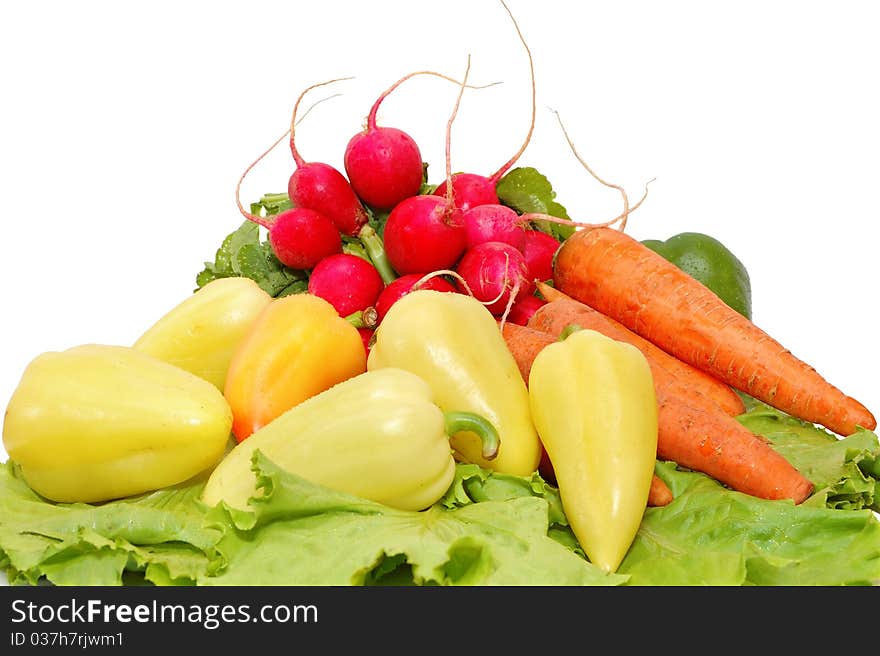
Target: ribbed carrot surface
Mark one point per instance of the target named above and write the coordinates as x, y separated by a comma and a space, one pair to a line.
618, 276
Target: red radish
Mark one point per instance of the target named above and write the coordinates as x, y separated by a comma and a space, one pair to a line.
494, 273
471, 189
524, 308
493, 222
320, 187
539, 250
366, 336
403, 285
301, 238
426, 233
423, 233
384, 165
348, 282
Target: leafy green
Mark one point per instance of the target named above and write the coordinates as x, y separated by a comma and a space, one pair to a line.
709, 535
161, 535
844, 471
488, 529
526, 190
271, 204
303, 534
243, 253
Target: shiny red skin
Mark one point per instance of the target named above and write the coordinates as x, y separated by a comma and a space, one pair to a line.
366, 335
398, 288
539, 250
423, 233
384, 166
485, 267
322, 188
524, 308
494, 223
301, 237
348, 282
470, 190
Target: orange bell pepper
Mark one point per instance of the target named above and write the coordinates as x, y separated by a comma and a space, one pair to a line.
297, 347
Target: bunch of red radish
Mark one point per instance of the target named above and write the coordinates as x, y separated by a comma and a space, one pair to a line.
460, 231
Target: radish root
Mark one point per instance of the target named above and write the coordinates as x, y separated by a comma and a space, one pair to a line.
626, 207
442, 272
506, 287
455, 274
293, 121
495, 177
513, 292
450, 199
261, 220
370, 123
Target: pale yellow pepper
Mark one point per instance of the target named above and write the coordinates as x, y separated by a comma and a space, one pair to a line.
453, 342
378, 436
201, 333
593, 403
96, 422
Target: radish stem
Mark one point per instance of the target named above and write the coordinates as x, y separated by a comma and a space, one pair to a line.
376, 251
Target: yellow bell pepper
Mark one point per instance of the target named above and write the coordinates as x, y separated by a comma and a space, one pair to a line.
201, 333
297, 347
96, 422
378, 436
453, 342
594, 406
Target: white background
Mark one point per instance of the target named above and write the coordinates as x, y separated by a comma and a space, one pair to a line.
125, 126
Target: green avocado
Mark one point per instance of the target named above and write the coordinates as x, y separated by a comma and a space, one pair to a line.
712, 263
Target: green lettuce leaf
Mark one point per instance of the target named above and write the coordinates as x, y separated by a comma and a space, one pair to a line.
271, 204
160, 535
844, 471
304, 534
488, 529
709, 535
244, 254
526, 190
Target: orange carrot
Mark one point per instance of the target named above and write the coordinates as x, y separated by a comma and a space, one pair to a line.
554, 316
660, 494
620, 277
525, 344
718, 445
693, 430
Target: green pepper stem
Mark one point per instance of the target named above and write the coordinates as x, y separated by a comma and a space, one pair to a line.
367, 318
469, 421
568, 330
376, 250
356, 319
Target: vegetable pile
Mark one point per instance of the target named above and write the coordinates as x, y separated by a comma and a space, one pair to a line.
383, 381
